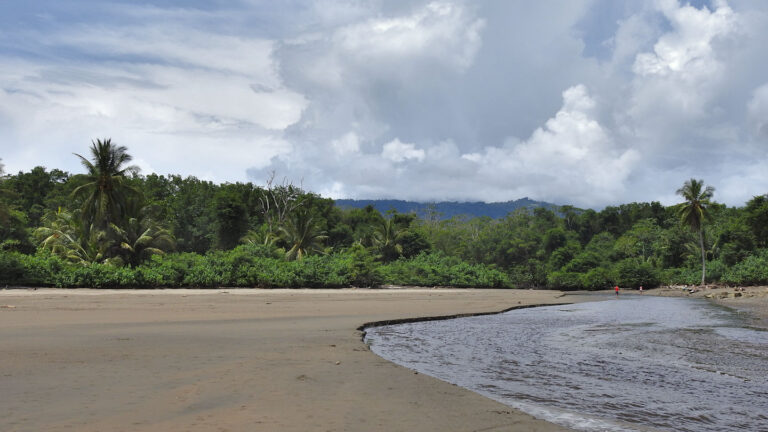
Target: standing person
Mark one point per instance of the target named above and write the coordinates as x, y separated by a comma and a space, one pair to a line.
616, 288
641, 289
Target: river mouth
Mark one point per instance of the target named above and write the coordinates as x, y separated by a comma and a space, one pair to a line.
629, 364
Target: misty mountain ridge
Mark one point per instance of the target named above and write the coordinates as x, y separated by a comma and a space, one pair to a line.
447, 209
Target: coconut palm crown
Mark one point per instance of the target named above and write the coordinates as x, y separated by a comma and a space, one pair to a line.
140, 238
64, 234
106, 191
386, 237
694, 211
302, 236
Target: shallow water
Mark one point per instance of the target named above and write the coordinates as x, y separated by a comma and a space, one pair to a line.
629, 364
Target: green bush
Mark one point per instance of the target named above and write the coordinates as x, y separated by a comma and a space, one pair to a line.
44, 269
413, 243
563, 280
583, 262
321, 271
751, 271
12, 270
251, 266
632, 273
437, 269
96, 276
164, 270
597, 279
362, 267
715, 271
681, 276
532, 274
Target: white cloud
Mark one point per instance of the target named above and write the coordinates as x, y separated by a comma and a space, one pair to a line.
178, 46
657, 112
757, 110
440, 34
169, 94
682, 107
750, 180
571, 159
398, 151
337, 190
143, 165
440, 30
418, 99
346, 144
688, 48
680, 77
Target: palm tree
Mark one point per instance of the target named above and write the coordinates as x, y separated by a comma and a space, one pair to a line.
65, 235
386, 238
106, 189
694, 211
302, 236
262, 236
5, 210
139, 238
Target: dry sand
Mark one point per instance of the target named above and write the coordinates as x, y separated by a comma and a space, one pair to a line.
232, 360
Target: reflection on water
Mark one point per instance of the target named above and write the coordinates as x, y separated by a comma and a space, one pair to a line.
636, 363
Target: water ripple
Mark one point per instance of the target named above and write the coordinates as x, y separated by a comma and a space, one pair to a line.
633, 364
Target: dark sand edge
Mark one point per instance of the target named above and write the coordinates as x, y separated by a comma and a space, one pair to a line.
371, 324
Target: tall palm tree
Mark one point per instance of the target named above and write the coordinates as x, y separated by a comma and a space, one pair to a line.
694, 211
302, 236
106, 191
5, 210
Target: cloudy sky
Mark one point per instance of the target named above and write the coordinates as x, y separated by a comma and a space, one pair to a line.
587, 102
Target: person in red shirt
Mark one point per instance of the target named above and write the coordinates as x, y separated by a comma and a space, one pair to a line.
616, 288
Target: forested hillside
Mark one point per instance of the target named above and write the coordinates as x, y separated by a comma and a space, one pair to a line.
445, 209
113, 227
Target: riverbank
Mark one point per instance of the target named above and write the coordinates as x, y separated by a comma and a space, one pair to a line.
749, 300
231, 360
629, 363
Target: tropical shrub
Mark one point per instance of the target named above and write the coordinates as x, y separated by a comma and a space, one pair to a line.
362, 267
564, 280
633, 273
751, 271
598, 278
12, 269
437, 269
681, 276
583, 262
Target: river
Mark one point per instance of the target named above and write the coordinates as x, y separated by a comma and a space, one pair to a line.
636, 363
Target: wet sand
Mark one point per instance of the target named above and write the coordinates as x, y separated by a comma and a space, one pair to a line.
232, 360
752, 301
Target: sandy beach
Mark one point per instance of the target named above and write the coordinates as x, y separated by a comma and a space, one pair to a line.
232, 360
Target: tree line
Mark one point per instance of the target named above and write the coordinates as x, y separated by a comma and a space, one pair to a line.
113, 227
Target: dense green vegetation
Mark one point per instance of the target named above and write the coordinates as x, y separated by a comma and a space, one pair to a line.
112, 227
446, 209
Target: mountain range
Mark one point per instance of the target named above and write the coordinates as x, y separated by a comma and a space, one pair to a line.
447, 209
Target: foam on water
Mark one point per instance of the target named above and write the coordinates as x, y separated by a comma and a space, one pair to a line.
632, 364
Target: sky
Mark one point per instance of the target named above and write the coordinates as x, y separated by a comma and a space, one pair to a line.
582, 102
